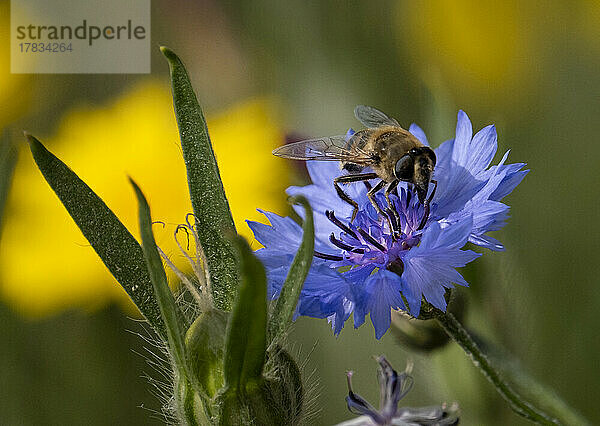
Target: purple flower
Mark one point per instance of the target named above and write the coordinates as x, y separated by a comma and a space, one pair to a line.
360, 267
393, 387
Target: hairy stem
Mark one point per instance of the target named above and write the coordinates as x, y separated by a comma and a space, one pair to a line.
523, 408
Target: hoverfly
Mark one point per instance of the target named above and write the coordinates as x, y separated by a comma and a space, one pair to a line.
392, 153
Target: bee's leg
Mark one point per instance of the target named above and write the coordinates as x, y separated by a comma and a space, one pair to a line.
433, 191
371, 196
426, 206
346, 198
391, 210
348, 179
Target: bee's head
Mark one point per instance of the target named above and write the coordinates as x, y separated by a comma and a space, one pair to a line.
416, 166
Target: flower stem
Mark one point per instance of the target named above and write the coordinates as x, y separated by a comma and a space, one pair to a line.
523, 408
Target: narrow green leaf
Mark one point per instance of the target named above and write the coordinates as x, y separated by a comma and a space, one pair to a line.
245, 342
116, 247
283, 313
8, 160
170, 313
211, 208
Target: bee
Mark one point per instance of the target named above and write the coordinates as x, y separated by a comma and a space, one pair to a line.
392, 154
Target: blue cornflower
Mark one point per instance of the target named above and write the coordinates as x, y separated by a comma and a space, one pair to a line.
360, 267
393, 387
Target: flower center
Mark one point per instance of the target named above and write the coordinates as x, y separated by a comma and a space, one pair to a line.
369, 241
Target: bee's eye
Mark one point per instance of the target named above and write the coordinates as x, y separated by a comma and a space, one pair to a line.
413, 151
405, 168
430, 154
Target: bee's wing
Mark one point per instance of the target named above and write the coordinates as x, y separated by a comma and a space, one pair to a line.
372, 117
331, 148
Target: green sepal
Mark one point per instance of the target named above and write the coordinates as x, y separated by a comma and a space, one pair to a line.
254, 407
232, 409
284, 309
245, 342
284, 381
190, 409
205, 348
275, 400
113, 243
211, 208
171, 314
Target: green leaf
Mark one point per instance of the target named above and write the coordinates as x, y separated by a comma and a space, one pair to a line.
172, 316
211, 209
283, 313
245, 343
170, 313
117, 248
8, 160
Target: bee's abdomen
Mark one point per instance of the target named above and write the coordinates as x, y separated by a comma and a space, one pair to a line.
358, 140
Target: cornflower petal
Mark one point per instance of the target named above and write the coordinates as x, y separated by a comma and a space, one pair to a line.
378, 295
464, 134
418, 133
483, 148
514, 175
393, 387
283, 235
468, 188
430, 267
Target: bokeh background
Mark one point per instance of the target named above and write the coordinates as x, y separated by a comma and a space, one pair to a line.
266, 70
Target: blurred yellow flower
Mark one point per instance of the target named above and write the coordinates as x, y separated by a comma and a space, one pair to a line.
477, 46
45, 262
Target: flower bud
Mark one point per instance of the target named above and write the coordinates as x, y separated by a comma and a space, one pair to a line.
205, 343
394, 386
276, 399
